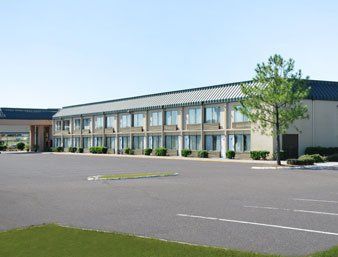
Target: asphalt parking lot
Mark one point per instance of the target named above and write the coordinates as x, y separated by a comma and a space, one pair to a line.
222, 204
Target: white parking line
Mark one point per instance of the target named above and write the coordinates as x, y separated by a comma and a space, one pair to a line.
314, 200
258, 224
285, 209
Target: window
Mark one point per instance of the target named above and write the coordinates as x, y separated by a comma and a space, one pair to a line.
110, 142
57, 142
213, 142
110, 121
171, 142
98, 141
98, 122
76, 142
171, 117
192, 142
125, 121
138, 142
124, 142
239, 117
156, 119
87, 123
195, 116
57, 125
138, 120
66, 125
77, 124
212, 114
239, 142
86, 142
67, 142
154, 142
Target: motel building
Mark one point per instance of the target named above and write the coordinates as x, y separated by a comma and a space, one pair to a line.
196, 119
31, 126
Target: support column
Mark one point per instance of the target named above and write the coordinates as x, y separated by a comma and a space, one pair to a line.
202, 127
117, 127
103, 130
31, 137
162, 128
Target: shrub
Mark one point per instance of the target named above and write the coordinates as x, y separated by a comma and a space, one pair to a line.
257, 155
98, 149
27, 148
202, 154
128, 151
161, 151
20, 146
3, 147
230, 154
72, 149
59, 149
148, 151
323, 151
104, 149
80, 150
92, 149
332, 158
300, 162
185, 152
314, 157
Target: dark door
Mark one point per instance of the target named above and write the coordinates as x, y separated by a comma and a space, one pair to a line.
290, 145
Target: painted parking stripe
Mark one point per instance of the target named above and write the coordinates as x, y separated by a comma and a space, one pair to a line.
314, 200
258, 224
285, 209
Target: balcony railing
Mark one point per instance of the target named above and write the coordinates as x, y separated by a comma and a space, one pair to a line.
194, 126
211, 126
241, 125
155, 128
170, 127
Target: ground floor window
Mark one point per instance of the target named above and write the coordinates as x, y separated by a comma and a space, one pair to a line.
154, 142
76, 142
239, 142
124, 142
86, 142
213, 142
98, 141
67, 142
110, 142
138, 142
171, 142
57, 142
192, 142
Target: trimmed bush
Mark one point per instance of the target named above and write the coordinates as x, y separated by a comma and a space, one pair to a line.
80, 150
161, 151
98, 149
59, 149
104, 150
128, 151
332, 158
202, 154
314, 157
323, 151
231, 154
20, 146
3, 147
72, 149
148, 151
300, 162
258, 155
185, 152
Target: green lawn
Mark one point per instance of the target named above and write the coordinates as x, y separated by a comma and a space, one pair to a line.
137, 175
56, 241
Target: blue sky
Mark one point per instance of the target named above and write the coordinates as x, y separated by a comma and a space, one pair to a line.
57, 53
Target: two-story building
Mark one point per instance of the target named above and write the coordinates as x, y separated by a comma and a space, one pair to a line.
195, 119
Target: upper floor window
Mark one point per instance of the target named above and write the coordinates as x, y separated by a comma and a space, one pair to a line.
171, 117
66, 125
194, 115
239, 117
98, 122
156, 119
87, 123
77, 124
110, 121
138, 120
212, 114
57, 125
125, 121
